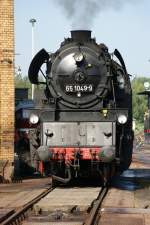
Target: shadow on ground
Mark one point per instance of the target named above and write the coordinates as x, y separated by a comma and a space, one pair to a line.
132, 179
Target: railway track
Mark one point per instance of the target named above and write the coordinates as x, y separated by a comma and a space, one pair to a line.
73, 213
77, 215
20, 214
94, 217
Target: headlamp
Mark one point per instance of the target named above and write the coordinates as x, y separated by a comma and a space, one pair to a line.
34, 119
122, 119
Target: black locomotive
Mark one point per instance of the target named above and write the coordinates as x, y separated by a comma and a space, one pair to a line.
84, 111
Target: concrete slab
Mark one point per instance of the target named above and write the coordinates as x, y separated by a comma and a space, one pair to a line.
142, 198
65, 199
119, 198
125, 207
121, 219
15, 195
147, 219
53, 223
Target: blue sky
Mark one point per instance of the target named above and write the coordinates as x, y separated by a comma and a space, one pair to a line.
127, 29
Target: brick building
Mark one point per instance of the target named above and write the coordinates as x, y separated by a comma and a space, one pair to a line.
6, 86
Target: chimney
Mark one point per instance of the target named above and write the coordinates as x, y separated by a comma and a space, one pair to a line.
81, 35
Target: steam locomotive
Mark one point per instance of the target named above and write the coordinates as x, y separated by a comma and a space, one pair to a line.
83, 112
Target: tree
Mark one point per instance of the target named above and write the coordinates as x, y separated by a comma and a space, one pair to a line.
22, 82
139, 101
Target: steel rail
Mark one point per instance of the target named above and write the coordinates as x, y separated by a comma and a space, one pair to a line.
90, 220
20, 214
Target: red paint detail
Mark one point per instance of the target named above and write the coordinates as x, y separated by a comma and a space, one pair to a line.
90, 153
69, 153
58, 153
16, 136
41, 168
147, 131
86, 153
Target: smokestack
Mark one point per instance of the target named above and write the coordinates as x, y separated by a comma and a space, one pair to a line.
81, 35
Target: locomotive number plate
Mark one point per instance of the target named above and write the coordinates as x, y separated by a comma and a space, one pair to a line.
79, 88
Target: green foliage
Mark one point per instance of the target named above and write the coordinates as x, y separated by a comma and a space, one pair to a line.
139, 101
22, 82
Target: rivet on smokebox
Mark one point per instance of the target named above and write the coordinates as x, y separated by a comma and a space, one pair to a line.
105, 112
